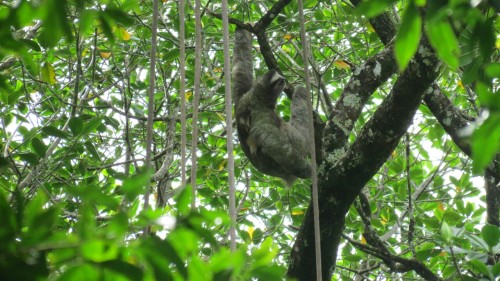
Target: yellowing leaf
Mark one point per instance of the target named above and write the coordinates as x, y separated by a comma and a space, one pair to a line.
287, 37
221, 117
126, 35
460, 84
218, 69
286, 49
250, 231
369, 27
363, 240
104, 55
222, 165
383, 219
441, 206
189, 95
122, 33
420, 3
297, 212
48, 73
341, 64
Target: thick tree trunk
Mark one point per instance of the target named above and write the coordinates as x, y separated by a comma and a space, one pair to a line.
341, 178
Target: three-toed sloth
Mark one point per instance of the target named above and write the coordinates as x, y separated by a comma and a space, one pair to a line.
273, 146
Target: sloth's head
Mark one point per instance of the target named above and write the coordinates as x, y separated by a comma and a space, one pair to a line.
270, 85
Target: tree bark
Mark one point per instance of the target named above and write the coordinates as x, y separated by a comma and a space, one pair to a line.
343, 175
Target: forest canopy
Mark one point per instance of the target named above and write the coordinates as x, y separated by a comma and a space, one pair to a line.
114, 160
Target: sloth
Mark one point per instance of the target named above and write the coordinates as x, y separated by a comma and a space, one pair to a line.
273, 146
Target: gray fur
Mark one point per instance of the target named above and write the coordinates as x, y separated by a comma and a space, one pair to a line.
273, 146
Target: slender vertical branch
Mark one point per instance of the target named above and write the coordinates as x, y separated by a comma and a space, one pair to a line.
94, 57
314, 176
229, 126
126, 135
196, 101
182, 90
78, 72
411, 224
149, 126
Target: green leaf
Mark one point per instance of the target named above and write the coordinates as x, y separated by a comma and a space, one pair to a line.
38, 146
310, 3
119, 16
48, 73
198, 270
487, 98
452, 217
471, 72
135, 185
81, 272
54, 132
99, 251
496, 269
485, 142
484, 33
372, 9
31, 44
446, 232
9, 225
491, 235
426, 250
29, 157
55, 23
91, 149
265, 253
76, 125
152, 250
39, 220
8, 95
408, 37
269, 272
171, 55
91, 125
183, 201
442, 38
127, 270
480, 267
493, 70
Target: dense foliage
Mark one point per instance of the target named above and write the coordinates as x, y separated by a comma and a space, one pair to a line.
73, 98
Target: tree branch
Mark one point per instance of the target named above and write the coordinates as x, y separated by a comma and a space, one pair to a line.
341, 180
397, 263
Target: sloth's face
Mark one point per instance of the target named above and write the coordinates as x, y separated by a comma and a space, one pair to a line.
274, 82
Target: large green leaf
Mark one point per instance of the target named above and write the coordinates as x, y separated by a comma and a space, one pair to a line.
408, 37
442, 38
55, 132
38, 146
491, 234
76, 125
372, 9
136, 185
486, 142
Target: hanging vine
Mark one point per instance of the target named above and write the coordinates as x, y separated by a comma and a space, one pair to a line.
149, 126
229, 127
314, 176
196, 101
182, 90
